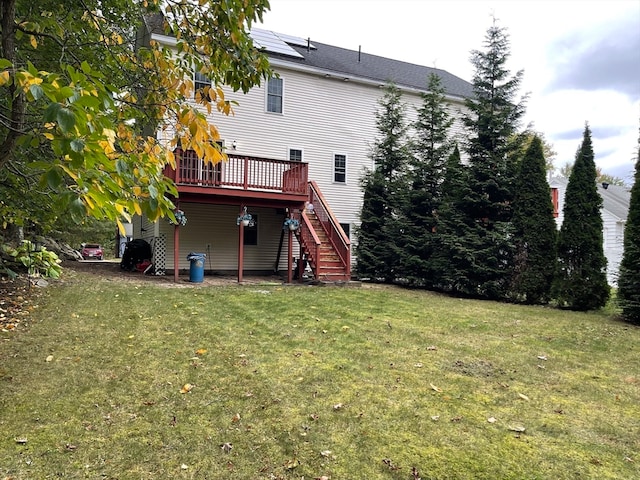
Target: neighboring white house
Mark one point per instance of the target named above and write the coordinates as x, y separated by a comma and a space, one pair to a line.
318, 114
615, 206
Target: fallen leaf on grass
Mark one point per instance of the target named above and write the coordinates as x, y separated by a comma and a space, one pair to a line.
49, 358
437, 389
70, 447
523, 396
432, 348
226, 447
418, 365
201, 351
517, 428
236, 418
21, 440
392, 466
323, 477
184, 466
325, 453
491, 420
338, 406
186, 388
291, 464
435, 418
542, 357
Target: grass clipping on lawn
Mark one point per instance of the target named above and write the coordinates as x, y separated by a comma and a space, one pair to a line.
140, 381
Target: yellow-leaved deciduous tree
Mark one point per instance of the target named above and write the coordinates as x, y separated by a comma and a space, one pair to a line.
83, 95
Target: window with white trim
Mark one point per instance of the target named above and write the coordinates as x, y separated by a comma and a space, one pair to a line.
200, 82
339, 168
275, 95
295, 155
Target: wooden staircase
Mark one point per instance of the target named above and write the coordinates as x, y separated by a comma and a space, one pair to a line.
322, 241
331, 268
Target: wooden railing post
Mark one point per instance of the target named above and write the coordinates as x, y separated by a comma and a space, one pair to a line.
246, 173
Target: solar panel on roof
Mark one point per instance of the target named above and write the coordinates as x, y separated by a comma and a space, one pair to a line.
297, 41
272, 43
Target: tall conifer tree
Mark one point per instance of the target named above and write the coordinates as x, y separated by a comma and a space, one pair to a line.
629, 279
451, 257
431, 148
534, 229
378, 251
494, 117
581, 280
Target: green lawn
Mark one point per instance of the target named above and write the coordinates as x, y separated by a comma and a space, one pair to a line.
117, 380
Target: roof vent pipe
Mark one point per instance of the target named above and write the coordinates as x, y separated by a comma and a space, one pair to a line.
308, 44
359, 52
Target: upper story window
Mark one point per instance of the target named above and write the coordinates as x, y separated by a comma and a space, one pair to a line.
339, 168
200, 82
295, 155
275, 94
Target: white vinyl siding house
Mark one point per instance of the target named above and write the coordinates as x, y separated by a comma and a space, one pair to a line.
323, 116
317, 110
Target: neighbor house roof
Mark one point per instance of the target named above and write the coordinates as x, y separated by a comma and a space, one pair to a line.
615, 198
350, 64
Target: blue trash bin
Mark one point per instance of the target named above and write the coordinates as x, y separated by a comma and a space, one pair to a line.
196, 268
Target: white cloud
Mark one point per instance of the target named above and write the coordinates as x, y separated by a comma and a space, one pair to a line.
563, 46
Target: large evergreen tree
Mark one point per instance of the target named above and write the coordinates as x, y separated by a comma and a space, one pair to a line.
451, 258
581, 282
431, 147
381, 220
492, 121
534, 229
629, 279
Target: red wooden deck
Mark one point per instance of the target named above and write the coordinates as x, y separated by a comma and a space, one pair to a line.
240, 176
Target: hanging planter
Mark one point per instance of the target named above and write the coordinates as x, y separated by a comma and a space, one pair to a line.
245, 219
292, 224
181, 218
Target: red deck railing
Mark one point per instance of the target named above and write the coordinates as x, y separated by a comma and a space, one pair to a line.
240, 172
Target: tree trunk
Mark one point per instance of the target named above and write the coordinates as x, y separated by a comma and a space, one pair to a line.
14, 109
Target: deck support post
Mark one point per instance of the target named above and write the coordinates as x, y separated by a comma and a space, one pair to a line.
240, 251
290, 257
176, 253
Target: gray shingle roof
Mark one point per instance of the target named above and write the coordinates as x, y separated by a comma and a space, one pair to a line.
375, 68
616, 200
352, 63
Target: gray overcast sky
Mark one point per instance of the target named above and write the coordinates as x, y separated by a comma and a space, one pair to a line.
581, 59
